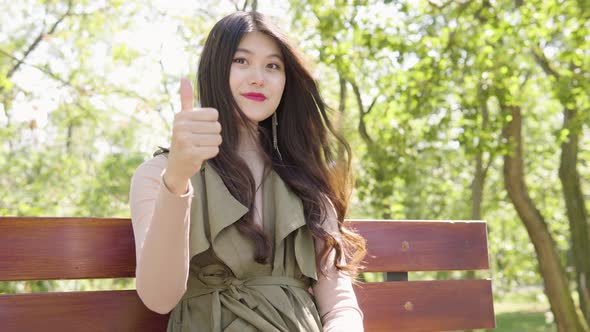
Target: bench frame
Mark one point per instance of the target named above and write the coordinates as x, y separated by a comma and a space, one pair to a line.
47, 248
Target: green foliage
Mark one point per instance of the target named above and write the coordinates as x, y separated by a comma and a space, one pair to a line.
423, 80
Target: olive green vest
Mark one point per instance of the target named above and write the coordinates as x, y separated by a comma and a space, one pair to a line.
227, 290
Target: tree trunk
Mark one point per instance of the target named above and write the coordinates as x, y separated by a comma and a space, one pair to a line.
576, 212
480, 172
477, 186
553, 273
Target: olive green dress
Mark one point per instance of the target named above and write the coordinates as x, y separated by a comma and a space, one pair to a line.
227, 290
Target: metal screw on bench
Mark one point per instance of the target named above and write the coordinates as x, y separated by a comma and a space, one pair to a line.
409, 306
405, 245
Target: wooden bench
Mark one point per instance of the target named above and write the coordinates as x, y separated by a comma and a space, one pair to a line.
80, 248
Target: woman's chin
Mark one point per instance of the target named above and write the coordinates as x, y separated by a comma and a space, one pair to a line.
257, 116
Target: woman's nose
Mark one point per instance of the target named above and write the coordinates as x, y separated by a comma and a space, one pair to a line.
257, 77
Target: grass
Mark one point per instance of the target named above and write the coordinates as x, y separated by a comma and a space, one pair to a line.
523, 311
523, 321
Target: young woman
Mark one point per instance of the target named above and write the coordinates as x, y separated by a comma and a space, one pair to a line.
239, 224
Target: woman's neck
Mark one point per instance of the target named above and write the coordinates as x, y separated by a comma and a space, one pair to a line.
250, 150
249, 141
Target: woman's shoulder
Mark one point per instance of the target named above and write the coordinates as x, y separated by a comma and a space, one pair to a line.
151, 168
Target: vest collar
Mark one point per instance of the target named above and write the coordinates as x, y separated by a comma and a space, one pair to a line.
224, 209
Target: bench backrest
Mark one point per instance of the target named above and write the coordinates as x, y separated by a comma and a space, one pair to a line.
80, 248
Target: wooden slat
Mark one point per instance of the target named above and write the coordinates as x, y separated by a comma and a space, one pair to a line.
78, 311
398, 246
412, 306
387, 306
66, 248
77, 248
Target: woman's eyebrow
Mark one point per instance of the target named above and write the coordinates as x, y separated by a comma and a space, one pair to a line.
272, 55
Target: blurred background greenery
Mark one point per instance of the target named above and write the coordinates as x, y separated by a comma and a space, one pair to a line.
454, 109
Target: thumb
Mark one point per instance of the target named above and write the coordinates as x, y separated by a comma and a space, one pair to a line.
186, 95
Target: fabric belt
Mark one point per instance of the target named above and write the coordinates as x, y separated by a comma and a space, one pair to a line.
218, 281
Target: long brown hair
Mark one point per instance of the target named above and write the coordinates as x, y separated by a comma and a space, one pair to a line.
306, 139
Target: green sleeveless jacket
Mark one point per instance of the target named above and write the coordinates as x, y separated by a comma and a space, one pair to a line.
227, 290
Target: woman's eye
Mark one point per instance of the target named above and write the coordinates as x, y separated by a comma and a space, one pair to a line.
274, 66
240, 60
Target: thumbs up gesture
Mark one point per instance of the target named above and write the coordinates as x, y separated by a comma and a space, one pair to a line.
196, 137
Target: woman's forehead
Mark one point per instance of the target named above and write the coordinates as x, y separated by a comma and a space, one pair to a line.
259, 44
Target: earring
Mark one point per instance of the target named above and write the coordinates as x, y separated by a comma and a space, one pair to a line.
275, 141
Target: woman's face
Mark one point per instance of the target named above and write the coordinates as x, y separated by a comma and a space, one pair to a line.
257, 76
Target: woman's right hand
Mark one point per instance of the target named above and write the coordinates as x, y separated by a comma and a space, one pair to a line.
196, 137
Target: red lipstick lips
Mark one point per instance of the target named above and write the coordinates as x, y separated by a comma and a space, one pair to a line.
254, 96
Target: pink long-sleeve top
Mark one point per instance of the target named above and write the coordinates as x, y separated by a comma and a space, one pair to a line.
161, 222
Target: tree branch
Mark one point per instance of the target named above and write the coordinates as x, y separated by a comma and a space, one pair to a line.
168, 94
362, 113
44, 70
37, 40
544, 63
81, 90
342, 104
370, 108
439, 4
452, 34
